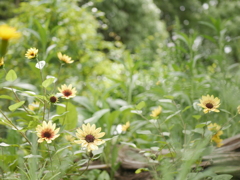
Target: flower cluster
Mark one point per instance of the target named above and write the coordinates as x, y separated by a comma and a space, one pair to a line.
216, 129
89, 136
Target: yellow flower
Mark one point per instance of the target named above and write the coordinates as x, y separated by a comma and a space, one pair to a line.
126, 126
67, 91
238, 108
31, 53
69, 137
65, 58
216, 129
47, 132
7, 32
156, 111
34, 106
89, 137
1, 62
209, 103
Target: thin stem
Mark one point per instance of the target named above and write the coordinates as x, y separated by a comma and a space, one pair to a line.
43, 88
55, 84
86, 167
2, 171
23, 135
50, 157
169, 146
16, 96
65, 111
57, 154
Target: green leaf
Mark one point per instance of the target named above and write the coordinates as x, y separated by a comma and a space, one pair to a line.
200, 125
70, 119
170, 116
141, 170
11, 75
96, 116
140, 105
197, 117
186, 108
48, 82
15, 106
223, 177
104, 176
6, 97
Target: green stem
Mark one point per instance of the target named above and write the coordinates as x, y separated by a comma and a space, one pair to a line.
2, 171
4, 46
86, 167
44, 90
50, 157
65, 111
22, 134
55, 84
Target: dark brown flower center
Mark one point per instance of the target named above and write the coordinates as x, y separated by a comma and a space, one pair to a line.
209, 105
53, 99
89, 138
67, 92
47, 134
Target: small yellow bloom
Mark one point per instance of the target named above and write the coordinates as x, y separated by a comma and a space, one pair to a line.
65, 58
216, 129
156, 111
67, 91
126, 126
69, 137
31, 53
89, 137
1, 62
209, 103
238, 109
34, 106
47, 132
7, 32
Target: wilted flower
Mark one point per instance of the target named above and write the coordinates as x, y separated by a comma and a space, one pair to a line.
156, 111
67, 91
216, 129
34, 106
126, 126
7, 32
31, 53
47, 132
65, 58
53, 99
209, 103
89, 137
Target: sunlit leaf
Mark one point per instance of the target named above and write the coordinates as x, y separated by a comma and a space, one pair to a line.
141, 170
70, 118
48, 82
15, 106
11, 75
140, 105
6, 97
